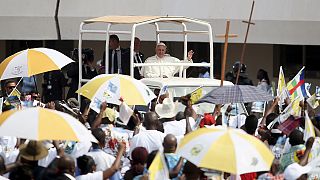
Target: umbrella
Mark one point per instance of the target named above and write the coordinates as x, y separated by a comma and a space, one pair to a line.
43, 124
31, 62
225, 149
110, 87
235, 94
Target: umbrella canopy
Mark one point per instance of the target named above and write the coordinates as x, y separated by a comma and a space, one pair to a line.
43, 124
235, 94
31, 62
110, 87
225, 149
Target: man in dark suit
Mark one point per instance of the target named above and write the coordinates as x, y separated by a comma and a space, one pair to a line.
118, 57
138, 58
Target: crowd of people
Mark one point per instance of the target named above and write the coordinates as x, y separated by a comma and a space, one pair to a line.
126, 151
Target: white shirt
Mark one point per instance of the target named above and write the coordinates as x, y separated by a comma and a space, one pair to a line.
91, 176
157, 71
177, 128
44, 162
149, 139
118, 51
102, 159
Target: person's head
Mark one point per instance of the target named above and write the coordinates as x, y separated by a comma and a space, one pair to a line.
66, 164
137, 44
236, 66
151, 121
263, 75
87, 55
251, 124
161, 49
35, 95
169, 143
86, 164
32, 152
191, 171
296, 137
114, 42
100, 135
9, 86
270, 117
23, 172
139, 158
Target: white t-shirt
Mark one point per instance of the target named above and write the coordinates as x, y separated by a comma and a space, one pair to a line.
149, 139
177, 128
91, 176
102, 159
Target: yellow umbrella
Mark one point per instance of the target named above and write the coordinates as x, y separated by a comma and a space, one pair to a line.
110, 87
43, 124
225, 149
32, 61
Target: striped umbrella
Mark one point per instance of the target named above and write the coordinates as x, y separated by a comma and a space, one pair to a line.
235, 94
225, 149
110, 87
43, 124
31, 62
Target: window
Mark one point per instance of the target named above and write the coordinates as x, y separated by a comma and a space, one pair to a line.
293, 57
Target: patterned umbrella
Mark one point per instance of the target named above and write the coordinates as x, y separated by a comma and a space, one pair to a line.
235, 94
225, 149
110, 87
43, 124
31, 62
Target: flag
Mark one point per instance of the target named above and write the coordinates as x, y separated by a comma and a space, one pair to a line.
296, 88
163, 90
313, 102
281, 82
196, 95
317, 92
282, 91
125, 112
15, 92
308, 87
308, 128
158, 168
289, 125
287, 112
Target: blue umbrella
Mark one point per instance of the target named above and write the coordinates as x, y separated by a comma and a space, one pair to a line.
235, 94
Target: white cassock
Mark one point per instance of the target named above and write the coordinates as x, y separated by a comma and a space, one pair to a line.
158, 71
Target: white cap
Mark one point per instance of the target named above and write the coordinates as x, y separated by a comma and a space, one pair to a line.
295, 170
